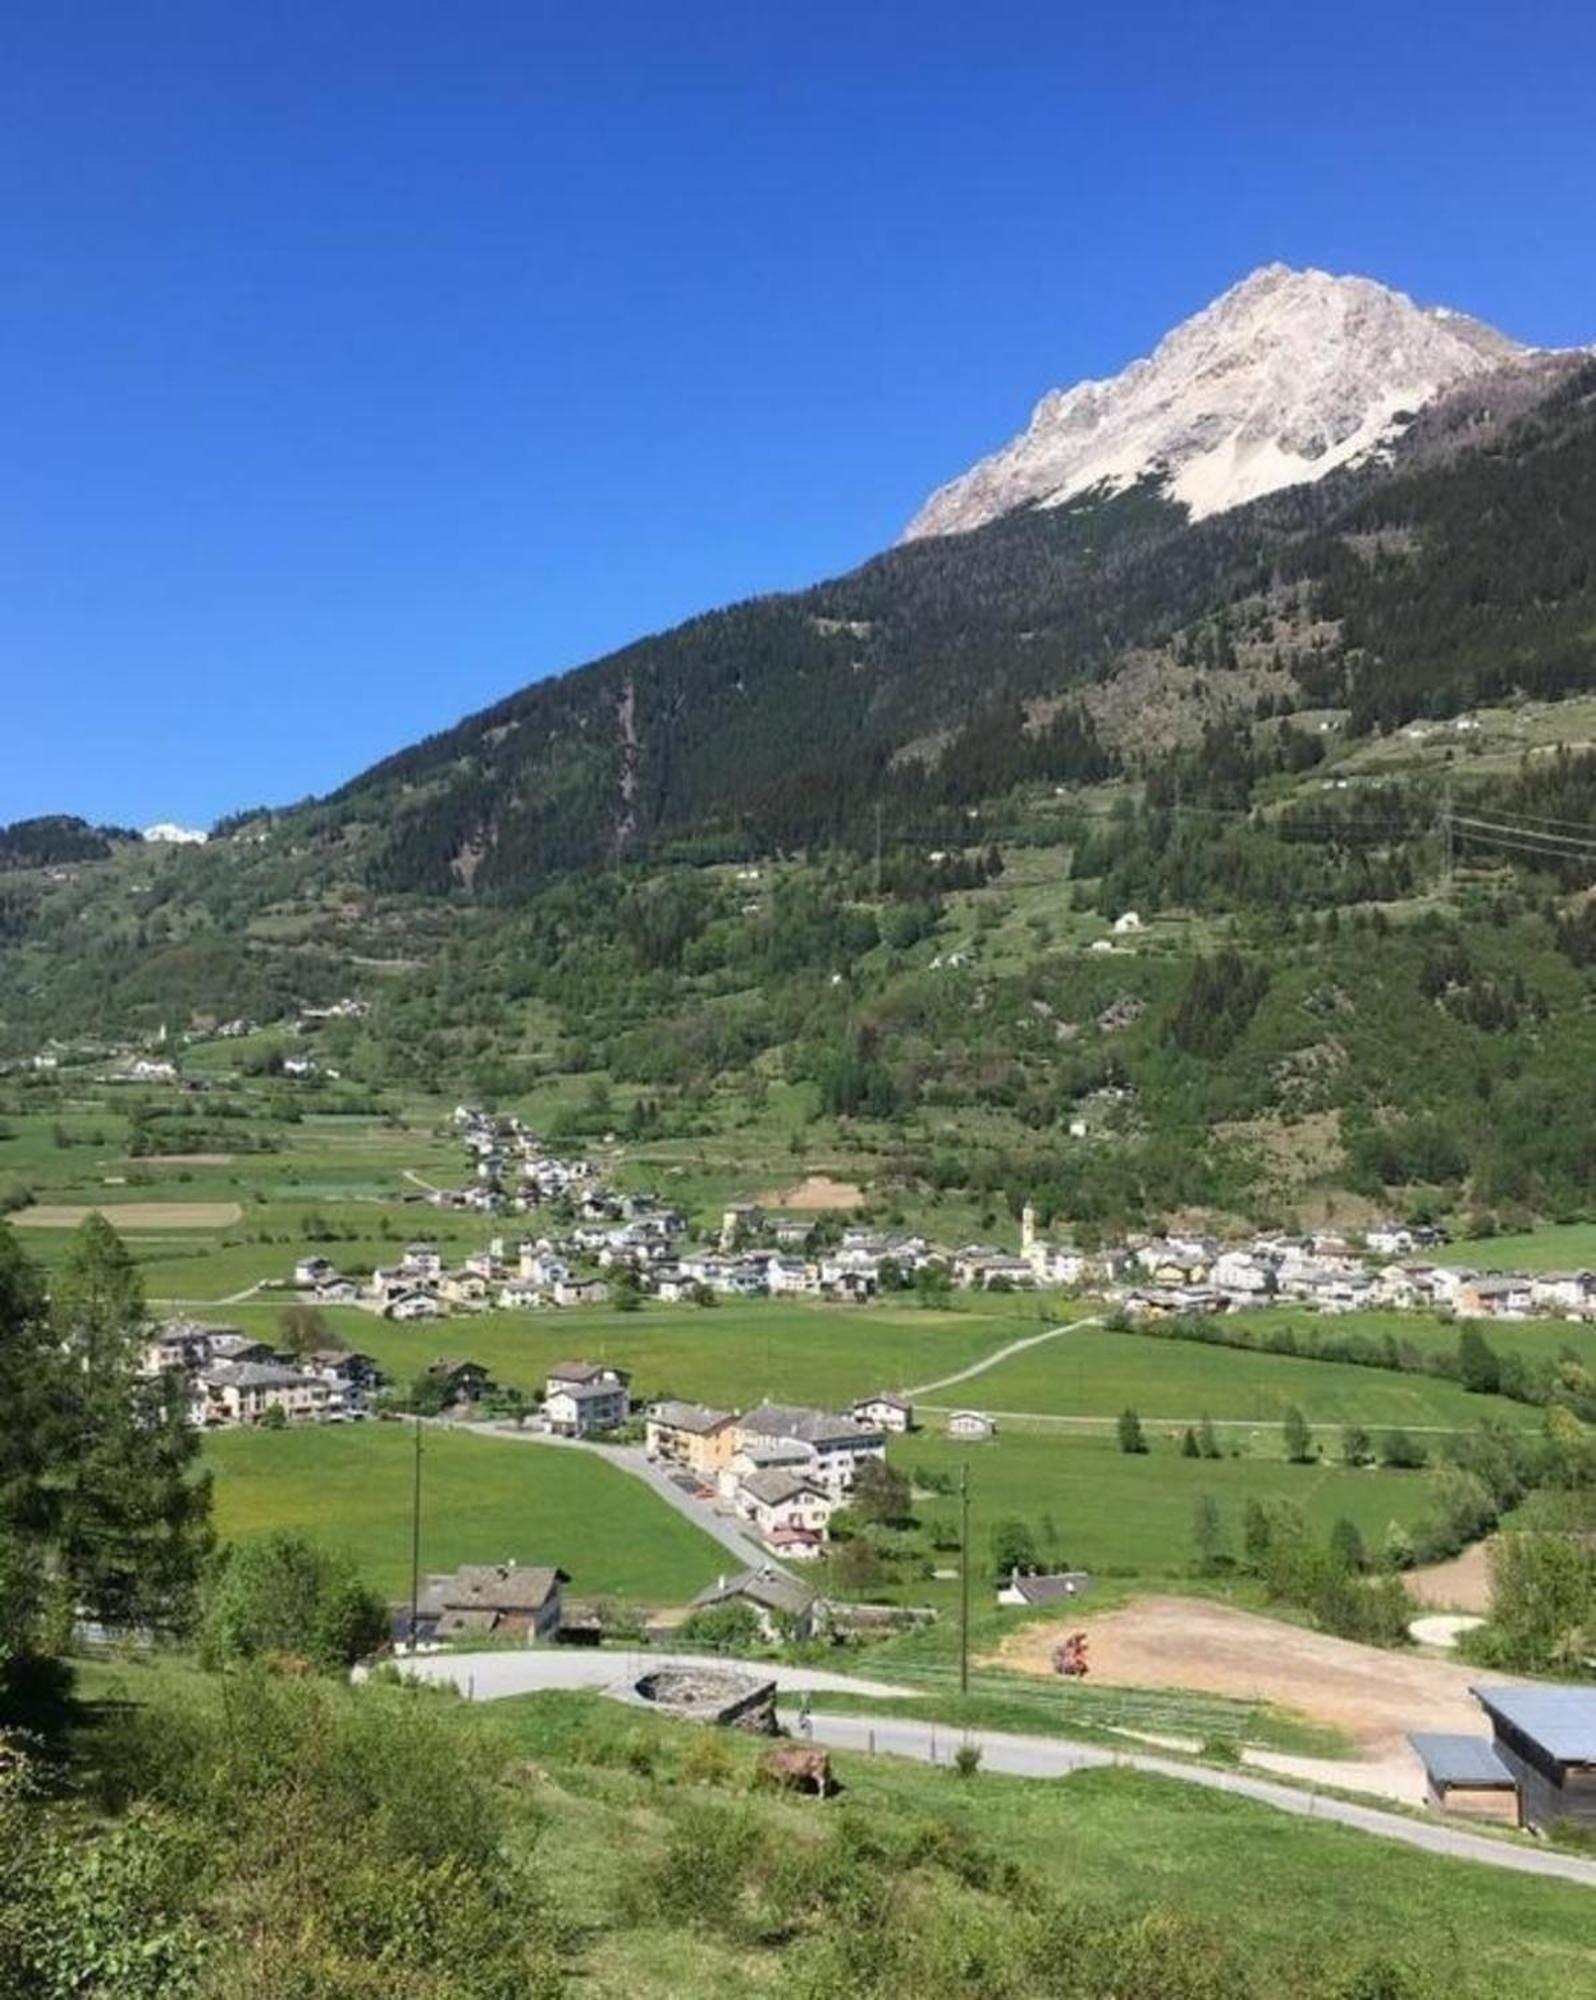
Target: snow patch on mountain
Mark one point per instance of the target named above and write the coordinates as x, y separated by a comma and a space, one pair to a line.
1285, 377
167, 833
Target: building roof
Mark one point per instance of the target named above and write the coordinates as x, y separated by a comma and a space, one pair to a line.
812, 1426
1562, 1720
1050, 1589
763, 1453
769, 1587
586, 1392
586, 1372
1460, 1760
688, 1417
492, 1587
775, 1485
883, 1399
256, 1375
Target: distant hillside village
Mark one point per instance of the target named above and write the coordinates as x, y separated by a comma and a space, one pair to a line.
600, 1244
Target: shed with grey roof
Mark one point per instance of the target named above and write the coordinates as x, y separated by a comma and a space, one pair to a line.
1546, 1736
1464, 1774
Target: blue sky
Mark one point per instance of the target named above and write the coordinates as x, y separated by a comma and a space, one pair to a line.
360, 363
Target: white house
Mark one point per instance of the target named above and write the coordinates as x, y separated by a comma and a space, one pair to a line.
971, 1425
413, 1306
580, 1397
885, 1413
788, 1509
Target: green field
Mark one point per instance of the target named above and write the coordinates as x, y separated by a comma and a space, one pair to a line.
1116, 1512
1094, 1372
1559, 1246
732, 1355
482, 1500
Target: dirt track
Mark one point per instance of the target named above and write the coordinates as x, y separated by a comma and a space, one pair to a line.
1375, 1697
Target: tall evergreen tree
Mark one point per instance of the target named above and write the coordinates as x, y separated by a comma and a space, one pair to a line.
28, 1380
132, 1510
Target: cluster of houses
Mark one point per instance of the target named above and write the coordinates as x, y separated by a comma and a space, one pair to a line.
781, 1468
1330, 1273
232, 1378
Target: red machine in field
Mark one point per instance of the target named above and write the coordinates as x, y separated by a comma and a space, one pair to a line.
1069, 1657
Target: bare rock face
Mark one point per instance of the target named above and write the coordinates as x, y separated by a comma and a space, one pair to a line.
1287, 375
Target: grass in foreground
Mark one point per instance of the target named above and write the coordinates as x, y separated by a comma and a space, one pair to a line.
656, 1870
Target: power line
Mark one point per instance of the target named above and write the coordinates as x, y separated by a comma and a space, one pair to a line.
1584, 842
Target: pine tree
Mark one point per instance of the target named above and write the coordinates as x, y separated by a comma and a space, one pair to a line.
1130, 1432
29, 1434
133, 1528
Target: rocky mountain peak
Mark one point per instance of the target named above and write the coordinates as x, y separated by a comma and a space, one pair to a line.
1282, 378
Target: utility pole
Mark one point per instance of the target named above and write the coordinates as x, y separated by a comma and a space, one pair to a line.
964, 1579
415, 1539
1446, 840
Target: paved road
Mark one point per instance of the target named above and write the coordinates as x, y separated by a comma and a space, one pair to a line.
1055, 1757
1003, 1354
496, 1676
630, 1458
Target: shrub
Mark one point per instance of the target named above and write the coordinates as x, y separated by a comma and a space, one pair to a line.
284, 1594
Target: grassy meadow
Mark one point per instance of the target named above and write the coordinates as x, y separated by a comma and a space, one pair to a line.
483, 1500
1095, 1372
733, 1354
1116, 1512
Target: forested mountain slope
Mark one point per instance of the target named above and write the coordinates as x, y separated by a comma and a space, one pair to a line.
1460, 572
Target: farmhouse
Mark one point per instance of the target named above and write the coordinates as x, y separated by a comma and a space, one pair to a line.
502, 1600
463, 1381
971, 1425
781, 1603
885, 1413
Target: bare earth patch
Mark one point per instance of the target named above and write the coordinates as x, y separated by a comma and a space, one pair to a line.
126, 1215
188, 1160
1463, 1584
1373, 1697
815, 1193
